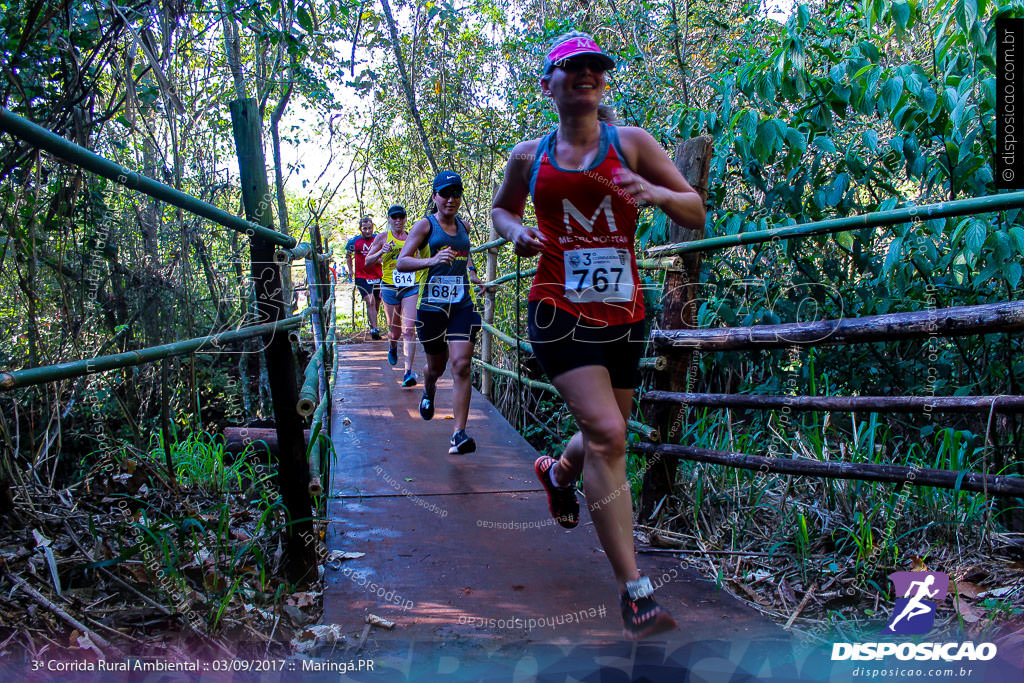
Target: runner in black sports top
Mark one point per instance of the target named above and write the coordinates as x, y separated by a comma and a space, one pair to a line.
586, 312
445, 319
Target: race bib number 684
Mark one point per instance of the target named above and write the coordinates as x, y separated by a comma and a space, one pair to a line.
444, 289
593, 275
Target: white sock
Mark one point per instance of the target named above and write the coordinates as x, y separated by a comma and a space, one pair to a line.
551, 476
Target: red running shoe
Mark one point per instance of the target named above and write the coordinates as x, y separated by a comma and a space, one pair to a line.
642, 617
561, 499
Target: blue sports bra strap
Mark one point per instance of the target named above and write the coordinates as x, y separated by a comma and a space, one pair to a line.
613, 137
542, 147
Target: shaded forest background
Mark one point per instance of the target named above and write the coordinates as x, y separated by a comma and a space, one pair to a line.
838, 109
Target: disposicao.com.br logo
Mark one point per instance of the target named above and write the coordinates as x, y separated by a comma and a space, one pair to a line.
914, 614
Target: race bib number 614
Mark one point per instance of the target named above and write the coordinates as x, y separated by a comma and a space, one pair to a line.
598, 275
403, 279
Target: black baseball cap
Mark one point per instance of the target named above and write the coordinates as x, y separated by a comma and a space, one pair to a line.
396, 209
446, 179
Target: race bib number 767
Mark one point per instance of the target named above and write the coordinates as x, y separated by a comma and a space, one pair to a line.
598, 275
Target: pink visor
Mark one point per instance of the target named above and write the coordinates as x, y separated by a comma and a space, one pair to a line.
575, 47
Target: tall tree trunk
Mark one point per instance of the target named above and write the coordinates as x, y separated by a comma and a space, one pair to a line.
407, 85
232, 49
282, 205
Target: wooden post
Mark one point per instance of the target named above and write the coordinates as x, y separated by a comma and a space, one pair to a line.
679, 310
293, 471
486, 345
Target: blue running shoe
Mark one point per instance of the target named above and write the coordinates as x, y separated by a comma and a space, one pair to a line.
410, 379
393, 354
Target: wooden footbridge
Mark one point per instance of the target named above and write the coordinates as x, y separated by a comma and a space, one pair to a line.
462, 547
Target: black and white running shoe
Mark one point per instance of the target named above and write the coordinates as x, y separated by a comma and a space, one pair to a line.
461, 443
426, 406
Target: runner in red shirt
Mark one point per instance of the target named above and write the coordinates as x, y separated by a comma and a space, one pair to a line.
367, 277
586, 314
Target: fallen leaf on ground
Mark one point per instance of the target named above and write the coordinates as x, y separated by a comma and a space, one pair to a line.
339, 555
968, 612
374, 620
303, 599
295, 615
968, 589
996, 592
317, 636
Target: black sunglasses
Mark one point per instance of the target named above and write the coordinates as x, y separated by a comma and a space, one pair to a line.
397, 215
574, 64
451, 192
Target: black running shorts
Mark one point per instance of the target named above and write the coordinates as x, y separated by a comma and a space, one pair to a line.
562, 342
367, 287
438, 326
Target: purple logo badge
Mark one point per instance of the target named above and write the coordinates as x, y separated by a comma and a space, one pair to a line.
914, 612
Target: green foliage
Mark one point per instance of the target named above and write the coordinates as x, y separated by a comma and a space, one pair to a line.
200, 459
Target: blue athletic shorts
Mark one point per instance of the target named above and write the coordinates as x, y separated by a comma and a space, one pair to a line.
393, 296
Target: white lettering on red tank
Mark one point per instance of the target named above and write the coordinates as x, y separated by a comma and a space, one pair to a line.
569, 209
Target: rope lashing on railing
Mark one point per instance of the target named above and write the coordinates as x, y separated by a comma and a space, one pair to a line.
843, 404
957, 207
90, 161
659, 363
649, 433
999, 485
88, 366
1007, 316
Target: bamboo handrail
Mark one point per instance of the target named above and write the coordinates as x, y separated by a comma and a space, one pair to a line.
88, 366
844, 404
653, 363
648, 432
1007, 316
958, 207
663, 263
488, 245
310, 384
90, 161
997, 485
299, 251
509, 341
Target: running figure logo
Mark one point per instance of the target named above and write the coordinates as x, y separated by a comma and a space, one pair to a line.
914, 613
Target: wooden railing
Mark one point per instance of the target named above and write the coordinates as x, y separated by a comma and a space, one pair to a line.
300, 470
677, 337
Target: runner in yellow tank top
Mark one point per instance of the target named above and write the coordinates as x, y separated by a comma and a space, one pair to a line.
398, 291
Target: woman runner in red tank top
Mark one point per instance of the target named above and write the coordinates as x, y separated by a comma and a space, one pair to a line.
586, 310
